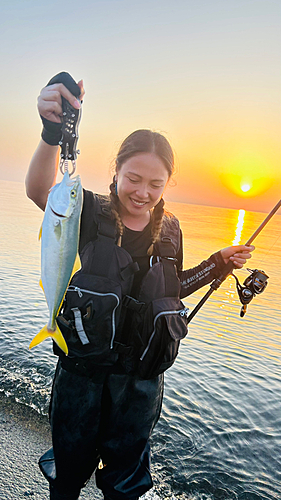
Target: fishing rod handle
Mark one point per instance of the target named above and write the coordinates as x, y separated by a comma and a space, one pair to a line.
199, 305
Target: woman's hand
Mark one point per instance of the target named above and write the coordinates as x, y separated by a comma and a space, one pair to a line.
50, 104
238, 254
43, 166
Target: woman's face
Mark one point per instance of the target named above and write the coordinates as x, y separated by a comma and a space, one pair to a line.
141, 181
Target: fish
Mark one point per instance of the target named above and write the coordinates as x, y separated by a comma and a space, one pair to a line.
60, 260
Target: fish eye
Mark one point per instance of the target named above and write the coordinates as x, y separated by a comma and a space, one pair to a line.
73, 193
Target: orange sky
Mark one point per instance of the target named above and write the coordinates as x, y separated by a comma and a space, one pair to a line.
206, 74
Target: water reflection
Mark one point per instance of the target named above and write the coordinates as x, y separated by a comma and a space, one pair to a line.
239, 227
229, 295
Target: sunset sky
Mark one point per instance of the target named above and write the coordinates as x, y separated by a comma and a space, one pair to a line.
206, 73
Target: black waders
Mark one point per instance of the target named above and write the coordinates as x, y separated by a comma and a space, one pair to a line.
106, 422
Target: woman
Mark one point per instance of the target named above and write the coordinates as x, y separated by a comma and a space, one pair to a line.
104, 412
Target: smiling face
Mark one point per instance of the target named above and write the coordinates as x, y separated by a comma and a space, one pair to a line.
141, 181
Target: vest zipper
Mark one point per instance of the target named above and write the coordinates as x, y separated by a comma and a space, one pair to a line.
80, 291
181, 312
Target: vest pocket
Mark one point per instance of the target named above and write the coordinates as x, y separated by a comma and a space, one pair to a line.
156, 334
90, 318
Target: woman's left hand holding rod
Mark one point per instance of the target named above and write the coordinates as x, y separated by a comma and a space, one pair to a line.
238, 254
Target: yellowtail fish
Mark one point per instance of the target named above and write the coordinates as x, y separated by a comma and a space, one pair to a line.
59, 251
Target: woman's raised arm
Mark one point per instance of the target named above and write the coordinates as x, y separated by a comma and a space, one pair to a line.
42, 173
43, 167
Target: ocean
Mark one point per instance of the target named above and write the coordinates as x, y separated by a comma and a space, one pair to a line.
219, 435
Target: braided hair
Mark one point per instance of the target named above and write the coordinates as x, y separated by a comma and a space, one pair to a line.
114, 204
142, 141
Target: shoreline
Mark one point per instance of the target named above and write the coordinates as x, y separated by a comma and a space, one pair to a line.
24, 436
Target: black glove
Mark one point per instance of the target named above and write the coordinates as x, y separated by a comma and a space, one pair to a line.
51, 132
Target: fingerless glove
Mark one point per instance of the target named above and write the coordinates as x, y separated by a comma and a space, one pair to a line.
51, 133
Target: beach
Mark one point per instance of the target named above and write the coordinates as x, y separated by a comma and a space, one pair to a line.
24, 436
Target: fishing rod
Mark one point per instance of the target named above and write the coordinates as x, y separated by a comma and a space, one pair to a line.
254, 284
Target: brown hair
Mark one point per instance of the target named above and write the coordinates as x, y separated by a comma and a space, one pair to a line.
143, 141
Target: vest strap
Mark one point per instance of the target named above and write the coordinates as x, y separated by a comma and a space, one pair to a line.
133, 304
166, 248
106, 225
172, 283
106, 236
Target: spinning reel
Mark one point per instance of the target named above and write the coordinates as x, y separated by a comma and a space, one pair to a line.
253, 285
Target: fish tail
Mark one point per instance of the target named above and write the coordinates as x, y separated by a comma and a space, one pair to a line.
56, 335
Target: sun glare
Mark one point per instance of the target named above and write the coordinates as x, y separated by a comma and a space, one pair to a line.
245, 174
245, 188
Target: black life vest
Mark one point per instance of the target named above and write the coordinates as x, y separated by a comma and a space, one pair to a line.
102, 322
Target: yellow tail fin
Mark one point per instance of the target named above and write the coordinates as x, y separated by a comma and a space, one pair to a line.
55, 335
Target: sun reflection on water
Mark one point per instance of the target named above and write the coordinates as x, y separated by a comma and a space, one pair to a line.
239, 227
229, 295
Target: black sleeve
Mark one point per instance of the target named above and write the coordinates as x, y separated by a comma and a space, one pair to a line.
198, 276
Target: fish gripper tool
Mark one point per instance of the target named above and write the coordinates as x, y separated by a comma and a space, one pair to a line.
68, 143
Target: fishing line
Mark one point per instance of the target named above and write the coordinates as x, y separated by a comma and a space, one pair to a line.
262, 260
270, 249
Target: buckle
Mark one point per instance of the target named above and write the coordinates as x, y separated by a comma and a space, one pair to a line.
156, 257
133, 304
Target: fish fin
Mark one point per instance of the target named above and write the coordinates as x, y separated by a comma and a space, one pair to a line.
40, 233
41, 284
77, 265
56, 335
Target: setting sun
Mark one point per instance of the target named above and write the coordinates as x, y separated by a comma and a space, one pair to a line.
245, 188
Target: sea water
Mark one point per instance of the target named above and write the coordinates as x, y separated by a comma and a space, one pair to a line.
219, 435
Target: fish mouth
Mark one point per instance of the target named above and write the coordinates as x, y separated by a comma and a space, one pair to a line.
58, 215
73, 181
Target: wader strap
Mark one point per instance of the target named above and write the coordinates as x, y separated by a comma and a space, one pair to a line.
79, 326
129, 270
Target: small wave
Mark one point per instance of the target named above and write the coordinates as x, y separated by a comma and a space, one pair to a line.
194, 496
26, 385
200, 489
